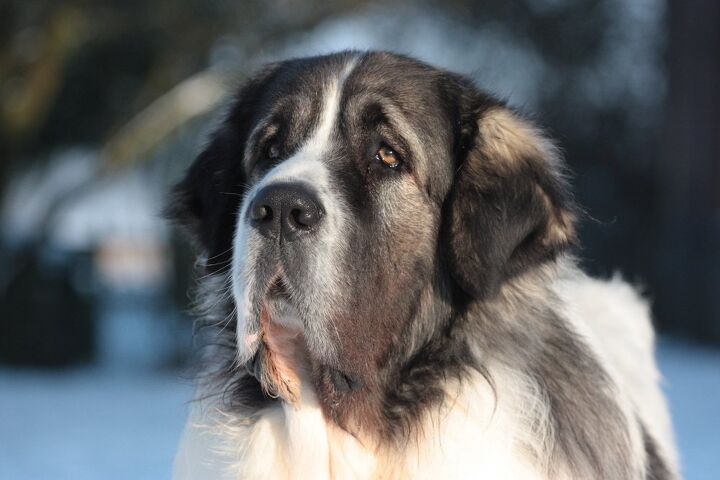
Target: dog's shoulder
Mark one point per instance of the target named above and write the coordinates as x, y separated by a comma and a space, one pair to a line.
616, 322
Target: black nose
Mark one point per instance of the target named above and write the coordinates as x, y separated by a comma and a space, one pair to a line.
285, 210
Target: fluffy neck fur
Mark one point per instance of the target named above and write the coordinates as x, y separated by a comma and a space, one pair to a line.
504, 388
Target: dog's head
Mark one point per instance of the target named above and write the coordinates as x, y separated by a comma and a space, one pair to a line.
343, 194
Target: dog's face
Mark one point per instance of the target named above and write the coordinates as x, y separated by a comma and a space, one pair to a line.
346, 195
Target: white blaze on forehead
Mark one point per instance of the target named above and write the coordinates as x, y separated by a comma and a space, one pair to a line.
307, 166
319, 142
307, 163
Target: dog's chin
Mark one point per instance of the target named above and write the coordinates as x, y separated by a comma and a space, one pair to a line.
279, 355
280, 350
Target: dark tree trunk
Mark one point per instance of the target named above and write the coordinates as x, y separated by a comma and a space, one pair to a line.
688, 293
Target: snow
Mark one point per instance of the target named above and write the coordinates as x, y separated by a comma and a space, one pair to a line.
692, 383
99, 423
60, 200
89, 424
33, 194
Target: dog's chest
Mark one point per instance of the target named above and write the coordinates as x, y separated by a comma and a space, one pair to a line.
461, 441
295, 441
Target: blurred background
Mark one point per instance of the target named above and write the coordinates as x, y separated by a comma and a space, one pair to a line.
103, 105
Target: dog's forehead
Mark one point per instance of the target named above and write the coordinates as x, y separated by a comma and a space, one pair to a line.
314, 99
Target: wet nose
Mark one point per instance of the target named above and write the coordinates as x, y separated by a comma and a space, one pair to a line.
285, 210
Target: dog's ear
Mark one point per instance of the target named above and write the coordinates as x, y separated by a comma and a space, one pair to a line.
508, 208
206, 200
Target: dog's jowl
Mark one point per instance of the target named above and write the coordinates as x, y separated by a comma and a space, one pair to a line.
388, 290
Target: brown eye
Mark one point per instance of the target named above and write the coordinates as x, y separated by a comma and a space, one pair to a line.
388, 156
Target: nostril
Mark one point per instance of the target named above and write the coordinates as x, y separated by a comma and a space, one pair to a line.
304, 218
260, 213
299, 218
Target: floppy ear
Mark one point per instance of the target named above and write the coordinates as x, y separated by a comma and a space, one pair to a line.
508, 209
202, 202
206, 200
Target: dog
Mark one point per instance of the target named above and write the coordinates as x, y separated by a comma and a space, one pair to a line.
389, 289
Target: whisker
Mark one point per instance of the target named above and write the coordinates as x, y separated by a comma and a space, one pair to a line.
221, 253
227, 320
217, 272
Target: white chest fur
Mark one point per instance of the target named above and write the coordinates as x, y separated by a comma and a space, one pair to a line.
468, 437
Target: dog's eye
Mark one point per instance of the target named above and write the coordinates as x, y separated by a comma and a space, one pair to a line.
388, 156
272, 151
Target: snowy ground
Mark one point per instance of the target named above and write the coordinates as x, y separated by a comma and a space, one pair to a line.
89, 425
95, 424
692, 382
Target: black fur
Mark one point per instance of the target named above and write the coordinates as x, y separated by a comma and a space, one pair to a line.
206, 200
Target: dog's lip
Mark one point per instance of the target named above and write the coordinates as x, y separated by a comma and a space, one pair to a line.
255, 341
276, 290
